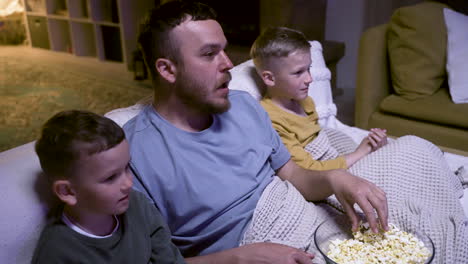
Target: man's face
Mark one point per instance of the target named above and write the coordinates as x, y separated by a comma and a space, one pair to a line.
203, 66
292, 75
102, 181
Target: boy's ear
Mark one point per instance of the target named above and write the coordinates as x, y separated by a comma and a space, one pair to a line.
268, 78
166, 68
64, 191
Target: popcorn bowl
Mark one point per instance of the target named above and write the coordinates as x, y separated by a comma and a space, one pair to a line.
339, 227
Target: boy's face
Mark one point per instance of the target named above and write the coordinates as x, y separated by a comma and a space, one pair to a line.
102, 181
291, 76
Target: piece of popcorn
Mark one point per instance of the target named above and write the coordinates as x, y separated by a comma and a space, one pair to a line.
394, 247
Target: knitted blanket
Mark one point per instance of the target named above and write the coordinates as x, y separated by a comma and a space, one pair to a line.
422, 192
283, 216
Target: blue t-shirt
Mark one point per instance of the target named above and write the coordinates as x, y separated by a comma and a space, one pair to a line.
206, 184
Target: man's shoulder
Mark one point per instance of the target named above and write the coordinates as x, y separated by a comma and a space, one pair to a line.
243, 101
138, 123
240, 95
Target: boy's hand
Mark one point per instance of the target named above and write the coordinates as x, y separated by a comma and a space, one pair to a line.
377, 138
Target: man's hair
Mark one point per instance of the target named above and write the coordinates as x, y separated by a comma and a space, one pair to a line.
276, 42
69, 134
154, 39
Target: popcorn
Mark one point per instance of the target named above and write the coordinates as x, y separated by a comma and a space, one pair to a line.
394, 247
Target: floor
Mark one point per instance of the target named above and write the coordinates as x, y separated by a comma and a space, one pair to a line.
36, 83
88, 65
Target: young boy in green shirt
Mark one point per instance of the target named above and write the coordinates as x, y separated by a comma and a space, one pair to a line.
101, 220
282, 60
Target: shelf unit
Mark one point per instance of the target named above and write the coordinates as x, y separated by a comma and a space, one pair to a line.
104, 29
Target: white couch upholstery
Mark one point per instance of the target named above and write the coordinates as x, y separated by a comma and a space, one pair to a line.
23, 194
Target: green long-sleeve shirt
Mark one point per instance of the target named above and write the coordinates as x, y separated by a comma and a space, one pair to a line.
142, 237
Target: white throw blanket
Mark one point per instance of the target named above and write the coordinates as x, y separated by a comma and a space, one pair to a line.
423, 193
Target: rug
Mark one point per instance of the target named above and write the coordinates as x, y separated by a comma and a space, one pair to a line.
31, 91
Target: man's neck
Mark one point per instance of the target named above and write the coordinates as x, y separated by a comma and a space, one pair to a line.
181, 115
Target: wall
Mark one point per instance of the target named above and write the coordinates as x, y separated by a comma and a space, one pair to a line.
307, 16
345, 22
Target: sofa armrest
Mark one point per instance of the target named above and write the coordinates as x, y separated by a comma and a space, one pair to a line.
24, 200
373, 77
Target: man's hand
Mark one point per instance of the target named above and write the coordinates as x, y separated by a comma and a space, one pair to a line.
350, 189
258, 253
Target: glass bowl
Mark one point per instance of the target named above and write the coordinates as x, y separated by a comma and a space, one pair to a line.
339, 227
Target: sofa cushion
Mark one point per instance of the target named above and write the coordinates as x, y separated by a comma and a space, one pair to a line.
437, 108
441, 135
416, 41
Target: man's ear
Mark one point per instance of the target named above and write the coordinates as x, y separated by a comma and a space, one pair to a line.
268, 78
166, 69
64, 191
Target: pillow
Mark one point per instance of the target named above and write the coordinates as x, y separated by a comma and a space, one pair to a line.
416, 40
245, 78
122, 115
457, 55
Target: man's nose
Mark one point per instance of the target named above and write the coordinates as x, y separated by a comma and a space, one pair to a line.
226, 63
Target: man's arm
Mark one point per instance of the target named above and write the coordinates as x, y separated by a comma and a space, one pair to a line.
258, 253
348, 189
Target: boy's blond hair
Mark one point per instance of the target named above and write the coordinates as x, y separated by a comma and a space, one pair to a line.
276, 42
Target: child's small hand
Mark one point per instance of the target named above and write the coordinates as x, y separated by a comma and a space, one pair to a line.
377, 138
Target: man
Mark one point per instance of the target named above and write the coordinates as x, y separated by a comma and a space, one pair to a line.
205, 154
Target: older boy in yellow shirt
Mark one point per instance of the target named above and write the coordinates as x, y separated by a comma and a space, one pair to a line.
282, 60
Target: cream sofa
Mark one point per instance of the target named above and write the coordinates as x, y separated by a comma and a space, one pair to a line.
23, 193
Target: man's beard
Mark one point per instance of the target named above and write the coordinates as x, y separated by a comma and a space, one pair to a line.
199, 102
195, 96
